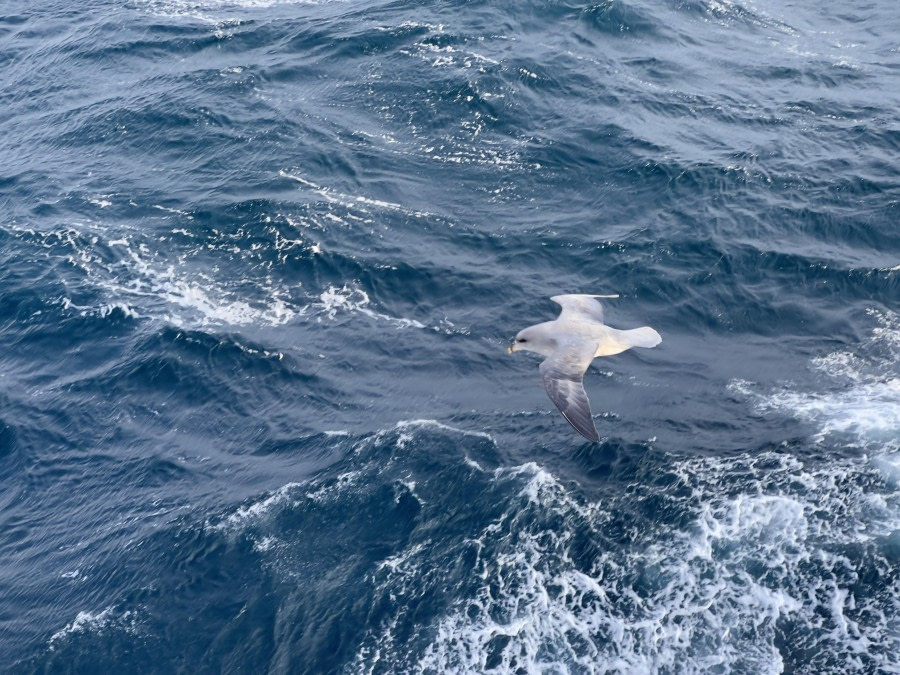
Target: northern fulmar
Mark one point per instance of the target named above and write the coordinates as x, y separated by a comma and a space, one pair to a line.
569, 344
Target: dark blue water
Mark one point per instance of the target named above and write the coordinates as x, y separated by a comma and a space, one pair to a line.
259, 265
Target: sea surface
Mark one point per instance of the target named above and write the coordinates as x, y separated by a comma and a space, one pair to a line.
260, 262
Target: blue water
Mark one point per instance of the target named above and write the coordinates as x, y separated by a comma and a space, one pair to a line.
259, 265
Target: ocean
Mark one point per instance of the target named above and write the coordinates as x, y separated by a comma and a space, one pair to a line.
260, 262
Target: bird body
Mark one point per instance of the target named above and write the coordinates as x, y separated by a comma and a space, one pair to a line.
569, 344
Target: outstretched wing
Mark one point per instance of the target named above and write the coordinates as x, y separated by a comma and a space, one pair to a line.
580, 307
563, 373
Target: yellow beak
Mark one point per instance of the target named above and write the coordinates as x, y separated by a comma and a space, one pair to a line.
511, 349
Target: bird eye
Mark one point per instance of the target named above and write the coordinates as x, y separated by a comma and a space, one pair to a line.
520, 340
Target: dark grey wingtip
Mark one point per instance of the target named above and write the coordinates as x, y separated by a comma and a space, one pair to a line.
593, 438
585, 428
565, 388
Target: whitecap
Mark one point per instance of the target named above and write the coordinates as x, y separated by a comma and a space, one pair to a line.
756, 551
347, 299
258, 509
862, 398
86, 622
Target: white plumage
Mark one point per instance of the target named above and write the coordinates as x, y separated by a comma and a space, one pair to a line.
569, 344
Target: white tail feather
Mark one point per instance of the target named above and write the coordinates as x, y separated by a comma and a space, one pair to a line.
640, 337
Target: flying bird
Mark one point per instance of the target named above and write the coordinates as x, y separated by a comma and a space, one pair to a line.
569, 344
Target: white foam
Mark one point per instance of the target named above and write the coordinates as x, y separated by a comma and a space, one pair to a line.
259, 509
330, 491
147, 283
756, 551
177, 212
143, 282
870, 411
862, 398
889, 466
86, 622
347, 299
265, 544
205, 300
211, 10
405, 431
259, 352
399, 564
127, 310
472, 464
442, 56
409, 487
357, 202
434, 424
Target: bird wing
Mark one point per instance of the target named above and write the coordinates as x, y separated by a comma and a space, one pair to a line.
580, 307
563, 373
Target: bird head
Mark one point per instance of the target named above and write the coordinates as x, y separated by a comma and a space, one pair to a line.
530, 340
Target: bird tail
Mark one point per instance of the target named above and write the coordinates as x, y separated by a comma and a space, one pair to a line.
644, 337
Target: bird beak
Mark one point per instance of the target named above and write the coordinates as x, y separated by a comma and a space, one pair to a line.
510, 349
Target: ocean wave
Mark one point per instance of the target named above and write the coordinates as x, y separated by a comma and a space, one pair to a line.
94, 622
768, 546
863, 401
241, 238
212, 11
137, 277
757, 560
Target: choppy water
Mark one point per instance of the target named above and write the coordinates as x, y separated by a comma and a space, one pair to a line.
259, 264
